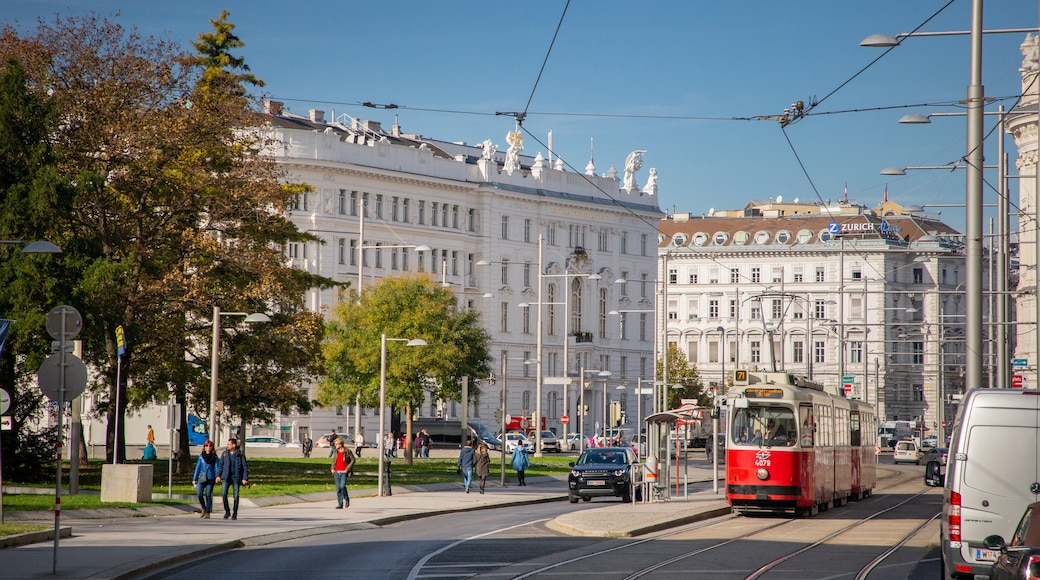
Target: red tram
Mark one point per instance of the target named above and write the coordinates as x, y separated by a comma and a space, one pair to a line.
795, 448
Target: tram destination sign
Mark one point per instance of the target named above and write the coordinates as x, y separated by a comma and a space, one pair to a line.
762, 393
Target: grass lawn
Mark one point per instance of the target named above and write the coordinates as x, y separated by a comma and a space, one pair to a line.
273, 476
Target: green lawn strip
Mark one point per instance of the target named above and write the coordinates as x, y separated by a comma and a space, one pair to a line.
271, 477
13, 529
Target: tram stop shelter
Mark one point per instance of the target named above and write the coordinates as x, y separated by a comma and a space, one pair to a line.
664, 450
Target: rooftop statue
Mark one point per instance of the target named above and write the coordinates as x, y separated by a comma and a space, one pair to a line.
633, 163
489, 149
651, 182
516, 145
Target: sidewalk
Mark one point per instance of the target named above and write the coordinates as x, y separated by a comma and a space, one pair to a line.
108, 544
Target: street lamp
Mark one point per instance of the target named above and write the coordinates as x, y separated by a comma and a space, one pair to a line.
382, 396
215, 364
38, 247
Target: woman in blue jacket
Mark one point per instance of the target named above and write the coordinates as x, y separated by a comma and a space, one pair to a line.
205, 476
520, 462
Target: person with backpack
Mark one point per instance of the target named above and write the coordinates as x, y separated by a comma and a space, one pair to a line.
342, 467
520, 462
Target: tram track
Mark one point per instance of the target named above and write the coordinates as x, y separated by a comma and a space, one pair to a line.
764, 529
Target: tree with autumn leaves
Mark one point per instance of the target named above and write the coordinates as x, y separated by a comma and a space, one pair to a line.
411, 307
163, 208
684, 374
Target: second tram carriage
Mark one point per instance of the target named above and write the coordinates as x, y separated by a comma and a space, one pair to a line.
792, 447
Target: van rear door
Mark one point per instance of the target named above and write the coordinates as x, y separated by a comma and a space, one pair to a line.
998, 469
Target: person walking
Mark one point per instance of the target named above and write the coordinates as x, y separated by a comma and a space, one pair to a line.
308, 445
424, 444
390, 445
359, 443
232, 472
205, 475
151, 435
342, 466
520, 462
331, 437
465, 463
482, 464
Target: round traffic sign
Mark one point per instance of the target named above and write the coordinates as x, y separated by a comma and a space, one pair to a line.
5, 401
565, 419
64, 322
49, 377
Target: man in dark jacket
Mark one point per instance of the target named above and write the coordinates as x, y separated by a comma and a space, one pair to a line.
233, 471
465, 463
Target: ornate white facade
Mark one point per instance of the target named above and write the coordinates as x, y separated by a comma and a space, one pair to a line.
472, 205
1022, 123
879, 304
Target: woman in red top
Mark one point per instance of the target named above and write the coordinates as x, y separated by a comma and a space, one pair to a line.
342, 467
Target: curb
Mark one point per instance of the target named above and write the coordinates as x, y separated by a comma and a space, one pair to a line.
27, 538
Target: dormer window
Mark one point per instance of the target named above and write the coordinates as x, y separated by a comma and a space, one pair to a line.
720, 238
762, 238
700, 238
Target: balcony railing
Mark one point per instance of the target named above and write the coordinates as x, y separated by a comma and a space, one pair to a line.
582, 336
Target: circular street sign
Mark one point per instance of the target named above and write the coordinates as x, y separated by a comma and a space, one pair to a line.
565, 419
64, 319
5, 401
49, 376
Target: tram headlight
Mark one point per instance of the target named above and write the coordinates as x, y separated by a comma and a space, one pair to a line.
762, 473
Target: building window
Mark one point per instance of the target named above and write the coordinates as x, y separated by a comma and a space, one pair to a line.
713, 308
550, 234
778, 275
505, 227
918, 276
643, 283
918, 393
422, 212
673, 276
504, 322
454, 263
525, 313
820, 275
917, 357
756, 351
642, 244
444, 215
433, 213
642, 327
734, 276
353, 253
623, 247
602, 240
603, 312
776, 309
856, 351
404, 210
404, 258
550, 293
341, 251
527, 230
393, 259
797, 276
820, 352
341, 202
455, 217
471, 220
756, 275
505, 272
527, 274
756, 311
798, 350
379, 255
379, 205
732, 308
527, 367
394, 204
820, 309
354, 203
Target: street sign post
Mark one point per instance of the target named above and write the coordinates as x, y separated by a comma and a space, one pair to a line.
1016, 381
847, 383
565, 419
1019, 362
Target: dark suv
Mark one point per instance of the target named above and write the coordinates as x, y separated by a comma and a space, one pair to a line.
603, 471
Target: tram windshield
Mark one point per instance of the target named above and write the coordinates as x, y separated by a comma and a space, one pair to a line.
771, 426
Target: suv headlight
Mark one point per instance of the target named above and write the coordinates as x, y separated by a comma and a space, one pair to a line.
575, 473
619, 473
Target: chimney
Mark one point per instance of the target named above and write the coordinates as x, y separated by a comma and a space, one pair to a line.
273, 107
317, 115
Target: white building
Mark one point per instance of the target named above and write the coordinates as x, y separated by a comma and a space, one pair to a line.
872, 299
475, 205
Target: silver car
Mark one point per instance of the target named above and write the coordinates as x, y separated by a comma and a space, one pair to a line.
550, 443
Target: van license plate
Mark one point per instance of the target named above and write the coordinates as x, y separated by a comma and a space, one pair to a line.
986, 555
597, 482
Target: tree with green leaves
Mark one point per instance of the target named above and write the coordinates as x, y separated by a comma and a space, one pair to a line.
411, 307
682, 372
171, 210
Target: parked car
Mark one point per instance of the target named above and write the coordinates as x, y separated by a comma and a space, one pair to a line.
907, 451
573, 441
1019, 560
934, 461
603, 471
260, 441
930, 441
514, 439
550, 444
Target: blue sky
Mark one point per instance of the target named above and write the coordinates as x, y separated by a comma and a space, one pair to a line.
664, 76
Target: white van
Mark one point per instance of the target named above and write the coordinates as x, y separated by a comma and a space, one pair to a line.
906, 451
992, 475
